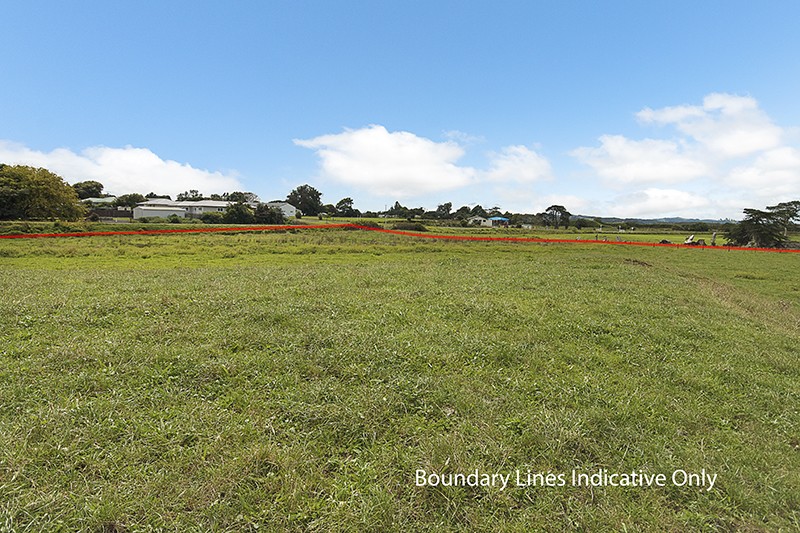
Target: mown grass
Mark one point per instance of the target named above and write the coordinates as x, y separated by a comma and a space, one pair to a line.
296, 381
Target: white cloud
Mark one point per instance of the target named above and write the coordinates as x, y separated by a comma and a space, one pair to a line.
727, 125
396, 164
622, 160
670, 115
518, 164
121, 170
463, 138
654, 202
404, 165
775, 172
728, 147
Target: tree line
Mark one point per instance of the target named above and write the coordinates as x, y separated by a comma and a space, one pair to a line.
28, 193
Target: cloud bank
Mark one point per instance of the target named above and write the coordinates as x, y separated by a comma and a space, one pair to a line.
622, 161
395, 164
403, 165
726, 125
121, 170
709, 160
725, 152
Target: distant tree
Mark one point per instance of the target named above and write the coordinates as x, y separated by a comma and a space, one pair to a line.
761, 229
217, 197
129, 200
265, 214
88, 189
565, 218
581, 223
151, 195
478, 211
36, 193
416, 212
697, 227
786, 212
329, 210
192, 196
239, 196
307, 199
344, 208
556, 215
443, 211
462, 212
238, 213
398, 210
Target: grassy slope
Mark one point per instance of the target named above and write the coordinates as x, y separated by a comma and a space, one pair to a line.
298, 381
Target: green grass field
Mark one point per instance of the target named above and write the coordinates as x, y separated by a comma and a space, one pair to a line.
298, 380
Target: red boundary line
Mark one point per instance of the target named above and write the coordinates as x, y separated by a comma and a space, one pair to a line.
390, 231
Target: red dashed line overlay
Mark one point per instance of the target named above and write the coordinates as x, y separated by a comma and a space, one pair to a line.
390, 231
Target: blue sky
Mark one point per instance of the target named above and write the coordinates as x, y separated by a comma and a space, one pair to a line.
622, 108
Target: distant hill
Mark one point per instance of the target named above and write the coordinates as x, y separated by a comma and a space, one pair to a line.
665, 220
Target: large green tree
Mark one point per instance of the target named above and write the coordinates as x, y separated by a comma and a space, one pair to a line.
193, 195
88, 189
344, 208
462, 212
265, 214
478, 211
240, 196
786, 212
307, 199
36, 193
762, 229
238, 213
443, 211
556, 215
129, 200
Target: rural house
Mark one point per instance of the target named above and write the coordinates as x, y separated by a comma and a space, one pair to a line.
287, 209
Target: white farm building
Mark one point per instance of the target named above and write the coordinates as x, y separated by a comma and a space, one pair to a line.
287, 209
143, 211
161, 207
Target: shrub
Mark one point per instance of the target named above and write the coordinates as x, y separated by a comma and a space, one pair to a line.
268, 215
214, 217
368, 224
239, 213
410, 226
